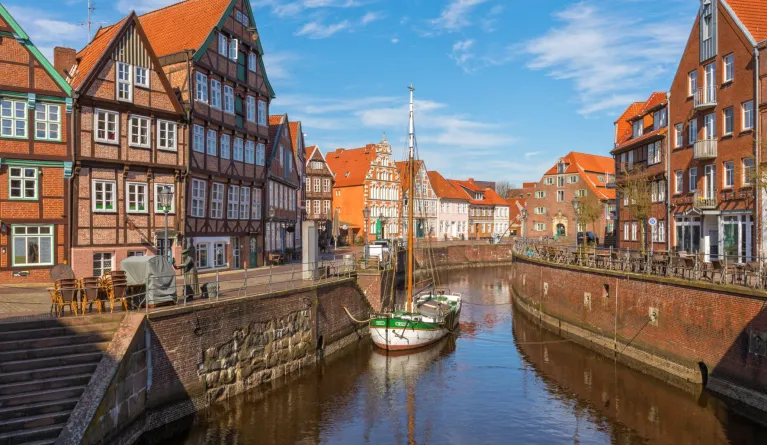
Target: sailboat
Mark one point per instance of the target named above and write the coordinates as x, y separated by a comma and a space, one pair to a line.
429, 315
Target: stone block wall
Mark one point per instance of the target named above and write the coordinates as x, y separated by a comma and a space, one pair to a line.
463, 255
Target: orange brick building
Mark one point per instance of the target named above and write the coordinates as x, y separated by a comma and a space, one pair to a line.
35, 159
366, 177
131, 145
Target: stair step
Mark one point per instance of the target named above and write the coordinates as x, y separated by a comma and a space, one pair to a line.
49, 362
32, 409
40, 420
58, 340
60, 322
35, 434
41, 396
55, 351
44, 384
46, 373
58, 331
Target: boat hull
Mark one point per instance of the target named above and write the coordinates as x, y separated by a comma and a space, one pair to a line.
400, 339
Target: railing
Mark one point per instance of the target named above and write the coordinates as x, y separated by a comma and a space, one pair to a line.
705, 149
705, 97
736, 270
703, 200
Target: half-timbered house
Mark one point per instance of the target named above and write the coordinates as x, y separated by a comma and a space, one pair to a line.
283, 183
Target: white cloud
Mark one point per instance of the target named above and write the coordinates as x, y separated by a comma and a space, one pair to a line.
462, 54
317, 30
531, 154
291, 9
46, 31
371, 17
278, 65
456, 15
610, 58
394, 40
141, 6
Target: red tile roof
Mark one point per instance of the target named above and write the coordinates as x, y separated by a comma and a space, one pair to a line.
182, 26
655, 100
631, 142
494, 198
351, 166
274, 127
309, 151
444, 188
753, 15
623, 130
89, 56
529, 185
294, 128
489, 196
589, 167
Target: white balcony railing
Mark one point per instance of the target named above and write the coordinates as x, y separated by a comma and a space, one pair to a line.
705, 149
705, 200
705, 97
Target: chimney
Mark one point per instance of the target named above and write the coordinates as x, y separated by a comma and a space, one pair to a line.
471, 180
63, 59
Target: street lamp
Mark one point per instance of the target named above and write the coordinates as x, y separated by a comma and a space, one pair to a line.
576, 206
366, 215
166, 200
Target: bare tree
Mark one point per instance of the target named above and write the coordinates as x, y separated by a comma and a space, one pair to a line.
635, 188
590, 209
503, 188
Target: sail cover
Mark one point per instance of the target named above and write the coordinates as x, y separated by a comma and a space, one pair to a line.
153, 272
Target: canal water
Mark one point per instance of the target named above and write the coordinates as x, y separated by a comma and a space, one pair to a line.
502, 380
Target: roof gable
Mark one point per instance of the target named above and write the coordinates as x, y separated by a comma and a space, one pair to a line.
22, 37
315, 150
444, 189
351, 166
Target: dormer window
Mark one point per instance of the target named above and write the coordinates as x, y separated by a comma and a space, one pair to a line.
561, 167
638, 128
707, 20
707, 30
660, 119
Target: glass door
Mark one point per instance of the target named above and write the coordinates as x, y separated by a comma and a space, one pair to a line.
710, 82
710, 126
236, 248
710, 186
253, 252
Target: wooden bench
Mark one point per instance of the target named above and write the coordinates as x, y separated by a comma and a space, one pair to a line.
275, 258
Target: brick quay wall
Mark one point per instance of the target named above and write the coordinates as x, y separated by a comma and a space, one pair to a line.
690, 334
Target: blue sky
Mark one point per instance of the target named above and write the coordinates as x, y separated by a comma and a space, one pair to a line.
503, 87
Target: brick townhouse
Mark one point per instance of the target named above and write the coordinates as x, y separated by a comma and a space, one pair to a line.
488, 211
299, 152
550, 208
35, 159
641, 143
211, 52
715, 135
319, 192
366, 177
283, 183
453, 208
425, 214
131, 146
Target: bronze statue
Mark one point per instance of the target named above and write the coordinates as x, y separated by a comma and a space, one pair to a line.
191, 284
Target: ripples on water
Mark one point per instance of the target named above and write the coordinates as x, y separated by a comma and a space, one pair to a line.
502, 380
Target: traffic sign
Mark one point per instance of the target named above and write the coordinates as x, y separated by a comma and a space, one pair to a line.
652, 221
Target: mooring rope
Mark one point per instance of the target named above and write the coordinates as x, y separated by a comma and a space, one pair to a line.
355, 320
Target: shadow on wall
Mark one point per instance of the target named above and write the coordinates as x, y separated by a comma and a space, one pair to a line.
632, 406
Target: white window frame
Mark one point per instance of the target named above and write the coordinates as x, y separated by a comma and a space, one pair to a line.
692, 82
97, 120
637, 128
144, 131
728, 178
234, 48
201, 87
223, 45
262, 112
678, 182
748, 115
19, 173
198, 139
121, 69
251, 109
217, 200
245, 203
140, 189
49, 124
199, 249
49, 237
158, 187
228, 99
252, 61
215, 94
225, 146
634, 227
748, 179
679, 135
728, 121
250, 152
693, 178
106, 202
219, 247
692, 130
197, 198
105, 261
141, 76
211, 144
260, 154
237, 149
12, 113
167, 135
256, 211
233, 202
728, 68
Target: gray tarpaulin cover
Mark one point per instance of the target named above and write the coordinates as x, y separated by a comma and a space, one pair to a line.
154, 272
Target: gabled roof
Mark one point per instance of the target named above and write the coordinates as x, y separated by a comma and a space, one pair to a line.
310, 153
752, 14
623, 127
404, 176
23, 38
489, 196
295, 132
656, 100
494, 198
351, 166
645, 137
590, 167
190, 25
98, 52
529, 185
444, 188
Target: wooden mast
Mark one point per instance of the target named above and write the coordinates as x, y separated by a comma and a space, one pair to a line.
411, 204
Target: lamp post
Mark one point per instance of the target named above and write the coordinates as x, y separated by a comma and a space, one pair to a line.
271, 218
366, 215
166, 200
576, 206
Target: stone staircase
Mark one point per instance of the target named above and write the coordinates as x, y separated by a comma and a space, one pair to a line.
44, 368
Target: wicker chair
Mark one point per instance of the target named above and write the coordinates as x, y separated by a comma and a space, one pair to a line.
116, 284
65, 295
91, 293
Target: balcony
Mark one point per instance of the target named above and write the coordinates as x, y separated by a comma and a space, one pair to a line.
705, 149
705, 201
705, 98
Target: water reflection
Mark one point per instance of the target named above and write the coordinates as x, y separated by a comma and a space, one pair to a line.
503, 380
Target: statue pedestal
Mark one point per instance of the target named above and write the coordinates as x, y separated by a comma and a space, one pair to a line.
310, 250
